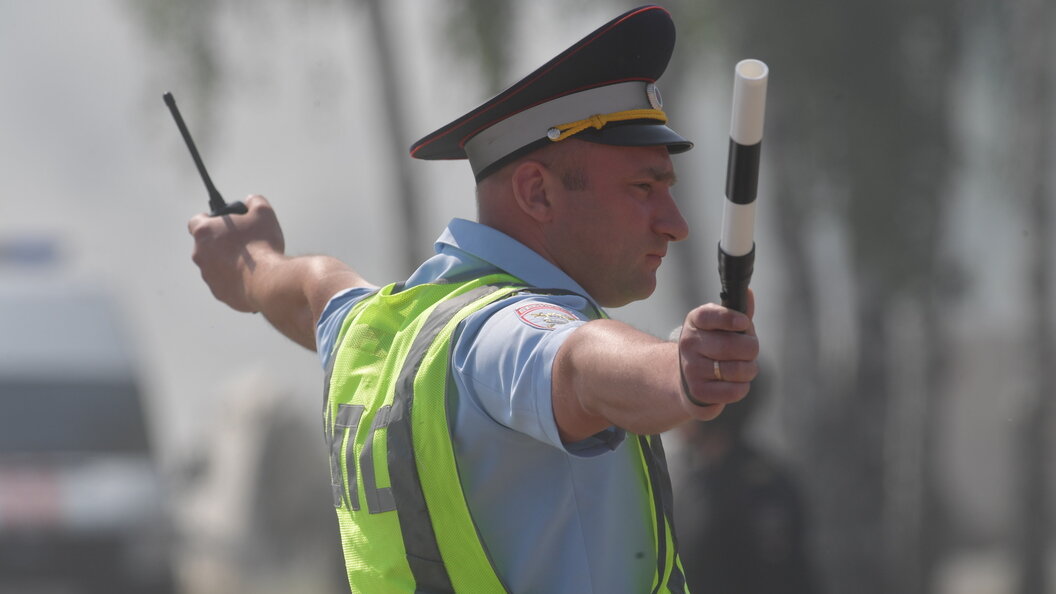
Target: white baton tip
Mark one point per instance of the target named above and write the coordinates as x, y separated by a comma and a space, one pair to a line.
751, 69
749, 101
738, 228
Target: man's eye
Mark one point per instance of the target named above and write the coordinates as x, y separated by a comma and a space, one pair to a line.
644, 186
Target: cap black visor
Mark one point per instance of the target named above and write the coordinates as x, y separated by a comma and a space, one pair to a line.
637, 134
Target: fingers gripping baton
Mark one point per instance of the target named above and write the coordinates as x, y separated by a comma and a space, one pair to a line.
216, 201
737, 244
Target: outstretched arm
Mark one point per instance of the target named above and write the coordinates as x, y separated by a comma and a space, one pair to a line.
607, 373
242, 259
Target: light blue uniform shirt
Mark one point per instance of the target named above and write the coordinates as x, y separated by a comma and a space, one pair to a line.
554, 517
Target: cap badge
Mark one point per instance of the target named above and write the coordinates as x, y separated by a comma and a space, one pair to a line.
653, 93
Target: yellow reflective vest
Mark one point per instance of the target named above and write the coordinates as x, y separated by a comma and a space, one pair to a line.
405, 524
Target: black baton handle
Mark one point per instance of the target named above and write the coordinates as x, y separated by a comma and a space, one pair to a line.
735, 273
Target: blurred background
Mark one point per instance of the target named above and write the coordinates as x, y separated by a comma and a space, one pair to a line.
152, 440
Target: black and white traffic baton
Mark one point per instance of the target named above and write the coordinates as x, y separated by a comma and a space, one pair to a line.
737, 243
216, 202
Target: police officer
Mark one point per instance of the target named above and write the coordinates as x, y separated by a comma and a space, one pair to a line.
489, 428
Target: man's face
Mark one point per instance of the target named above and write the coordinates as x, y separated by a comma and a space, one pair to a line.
611, 235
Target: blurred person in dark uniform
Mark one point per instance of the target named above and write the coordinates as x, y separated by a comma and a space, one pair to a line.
741, 518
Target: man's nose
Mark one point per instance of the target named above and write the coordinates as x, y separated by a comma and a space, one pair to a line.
669, 221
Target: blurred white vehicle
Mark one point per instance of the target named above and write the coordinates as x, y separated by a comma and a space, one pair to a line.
82, 507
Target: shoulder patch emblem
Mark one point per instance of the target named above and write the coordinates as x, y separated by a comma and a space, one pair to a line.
545, 316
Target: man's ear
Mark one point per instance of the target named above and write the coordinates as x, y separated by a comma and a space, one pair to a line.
532, 189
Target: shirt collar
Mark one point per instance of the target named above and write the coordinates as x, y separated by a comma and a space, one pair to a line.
505, 253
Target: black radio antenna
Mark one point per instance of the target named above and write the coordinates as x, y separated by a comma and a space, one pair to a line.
216, 201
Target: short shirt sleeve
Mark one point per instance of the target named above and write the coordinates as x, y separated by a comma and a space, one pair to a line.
502, 362
331, 320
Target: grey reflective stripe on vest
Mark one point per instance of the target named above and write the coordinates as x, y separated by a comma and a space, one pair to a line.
423, 553
677, 583
348, 417
663, 504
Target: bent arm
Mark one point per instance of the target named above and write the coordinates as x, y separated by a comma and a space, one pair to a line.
608, 373
291, 293
242, 260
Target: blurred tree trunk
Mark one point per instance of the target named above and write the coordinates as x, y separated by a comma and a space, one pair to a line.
859, 126
416, 239
1032, 48
479, 32
899, 163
